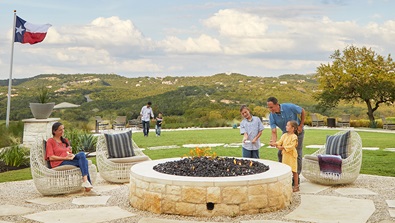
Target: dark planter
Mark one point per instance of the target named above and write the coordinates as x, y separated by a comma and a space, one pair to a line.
41, 111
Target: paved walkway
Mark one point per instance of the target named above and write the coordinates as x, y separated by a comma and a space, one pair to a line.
369, 199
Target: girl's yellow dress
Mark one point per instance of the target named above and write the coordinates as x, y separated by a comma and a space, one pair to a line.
290, 155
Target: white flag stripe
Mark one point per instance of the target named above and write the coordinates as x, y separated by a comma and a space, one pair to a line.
32, 28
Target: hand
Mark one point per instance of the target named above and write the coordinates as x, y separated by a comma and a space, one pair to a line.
70, 156
300, 129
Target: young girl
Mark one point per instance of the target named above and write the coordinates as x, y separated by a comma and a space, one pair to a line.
287, 144
158, 125
251, 127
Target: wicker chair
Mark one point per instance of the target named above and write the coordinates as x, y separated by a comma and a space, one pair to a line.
59, 180
116, 170
350, 165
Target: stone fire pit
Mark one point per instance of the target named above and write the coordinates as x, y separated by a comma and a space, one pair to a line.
210, 196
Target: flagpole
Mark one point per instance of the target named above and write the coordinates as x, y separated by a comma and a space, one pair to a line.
7, 122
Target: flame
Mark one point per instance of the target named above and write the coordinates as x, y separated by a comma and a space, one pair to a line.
239, 163
250, 163
234, 161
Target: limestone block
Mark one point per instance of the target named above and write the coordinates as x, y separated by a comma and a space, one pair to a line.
183, 208
249, 211
234, 195
171, 197
157, 188
214, 194
139, 192
274, 189
137, 202
257, 189
170, 189
258, 201
152, 202
227, 210
132, 187
37, 129
194, 194
142, 184
201, 209
277, 202
168, 206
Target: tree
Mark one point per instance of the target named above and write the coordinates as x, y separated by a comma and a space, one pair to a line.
357, 75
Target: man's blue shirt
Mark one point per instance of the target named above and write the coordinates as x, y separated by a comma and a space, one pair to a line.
288, 112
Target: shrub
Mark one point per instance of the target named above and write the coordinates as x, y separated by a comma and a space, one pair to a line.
11, 135
81, 140
15, 156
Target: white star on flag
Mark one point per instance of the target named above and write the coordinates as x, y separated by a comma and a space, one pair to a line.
19, 30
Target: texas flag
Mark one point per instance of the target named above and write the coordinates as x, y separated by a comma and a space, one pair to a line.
26, 32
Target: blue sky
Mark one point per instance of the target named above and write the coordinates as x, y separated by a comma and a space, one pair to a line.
185, 37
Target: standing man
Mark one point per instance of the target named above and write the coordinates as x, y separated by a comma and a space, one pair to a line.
280, 114
146, 113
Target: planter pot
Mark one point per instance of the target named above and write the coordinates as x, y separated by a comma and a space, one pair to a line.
41, 111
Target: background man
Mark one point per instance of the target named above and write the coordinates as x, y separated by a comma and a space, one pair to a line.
146, 113
280, 114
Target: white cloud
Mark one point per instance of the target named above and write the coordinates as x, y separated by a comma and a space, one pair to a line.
102, 32
202, 44
235, 24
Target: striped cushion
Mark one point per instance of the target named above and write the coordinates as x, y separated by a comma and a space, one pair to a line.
338, 144
119, 145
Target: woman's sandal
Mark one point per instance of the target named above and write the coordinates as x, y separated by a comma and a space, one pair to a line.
296, 189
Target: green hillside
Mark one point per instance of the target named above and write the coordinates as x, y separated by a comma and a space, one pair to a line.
185, 101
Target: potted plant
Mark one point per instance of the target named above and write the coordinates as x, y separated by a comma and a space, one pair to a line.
42, 109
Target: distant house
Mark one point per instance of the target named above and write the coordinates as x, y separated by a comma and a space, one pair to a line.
283, 82
167, 82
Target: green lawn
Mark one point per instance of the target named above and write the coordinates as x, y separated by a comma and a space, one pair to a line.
374, 162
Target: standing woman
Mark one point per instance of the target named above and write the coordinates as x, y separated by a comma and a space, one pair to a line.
251, 128
58, 152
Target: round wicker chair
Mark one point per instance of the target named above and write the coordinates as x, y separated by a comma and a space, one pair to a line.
60, 180
116, 170
350, 166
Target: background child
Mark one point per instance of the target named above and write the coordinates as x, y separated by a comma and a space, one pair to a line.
158, 126
287, 144
251, 127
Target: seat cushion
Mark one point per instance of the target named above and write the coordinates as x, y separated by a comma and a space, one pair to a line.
338, 145
119, 145
69, 167
133, 159
311, 157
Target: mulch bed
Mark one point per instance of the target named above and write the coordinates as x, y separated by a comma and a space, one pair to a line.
5, 168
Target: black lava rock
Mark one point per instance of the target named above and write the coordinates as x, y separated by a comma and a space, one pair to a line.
211, 167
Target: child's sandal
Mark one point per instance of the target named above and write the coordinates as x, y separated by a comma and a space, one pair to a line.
296, 189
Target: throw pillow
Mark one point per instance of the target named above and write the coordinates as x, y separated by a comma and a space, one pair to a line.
47, 162
119, 145
338, 144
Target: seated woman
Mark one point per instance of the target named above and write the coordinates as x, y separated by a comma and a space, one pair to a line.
58, 152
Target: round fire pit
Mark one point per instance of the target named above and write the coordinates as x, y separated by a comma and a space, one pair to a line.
210, 196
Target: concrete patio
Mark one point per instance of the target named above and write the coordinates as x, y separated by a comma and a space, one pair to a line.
369, 199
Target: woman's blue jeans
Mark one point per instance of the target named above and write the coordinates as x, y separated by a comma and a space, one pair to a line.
81, 162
